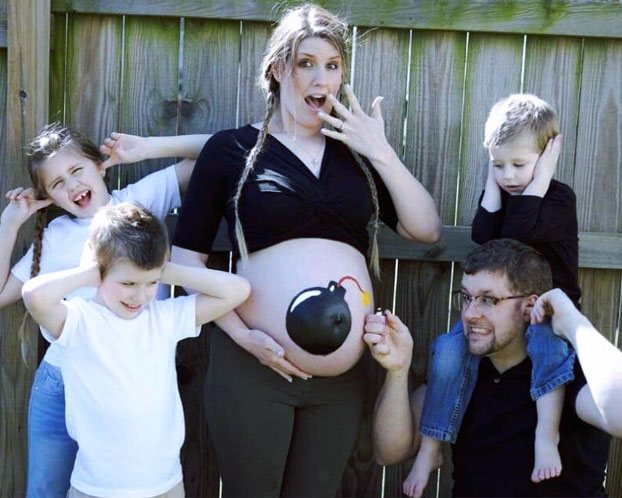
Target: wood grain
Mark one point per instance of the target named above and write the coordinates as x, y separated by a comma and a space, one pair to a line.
598, 175
3, 24
93, 74
24, 84
251, 99
435, 115
553, 73
58, 81
493, 72
208, 96
149, 98
570, 17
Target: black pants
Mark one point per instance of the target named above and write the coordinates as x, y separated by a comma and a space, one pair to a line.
276, 438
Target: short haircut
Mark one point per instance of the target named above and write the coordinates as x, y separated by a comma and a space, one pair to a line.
525, 268
127, 231
517, 115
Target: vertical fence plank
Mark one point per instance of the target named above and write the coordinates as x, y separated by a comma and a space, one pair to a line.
57, 69
381, 69
493, 72
210, 76
432, 153
149, 89
92, 71
553, 73
26, 76
208, 104
434, 114
93, 74
598, 176
11, 428
255, 37
598, 185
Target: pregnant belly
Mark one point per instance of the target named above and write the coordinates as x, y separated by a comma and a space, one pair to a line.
311, 296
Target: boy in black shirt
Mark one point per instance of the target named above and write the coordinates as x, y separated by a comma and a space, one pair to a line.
523, 202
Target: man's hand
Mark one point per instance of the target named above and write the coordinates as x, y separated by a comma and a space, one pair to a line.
390, 342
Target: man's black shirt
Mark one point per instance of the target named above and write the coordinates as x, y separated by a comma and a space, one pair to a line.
494, 452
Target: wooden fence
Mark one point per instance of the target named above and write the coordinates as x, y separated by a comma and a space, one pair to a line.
174, 67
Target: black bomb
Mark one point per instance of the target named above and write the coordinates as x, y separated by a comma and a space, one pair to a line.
318, 319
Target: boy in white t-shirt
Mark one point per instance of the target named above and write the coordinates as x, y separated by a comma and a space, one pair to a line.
122, 403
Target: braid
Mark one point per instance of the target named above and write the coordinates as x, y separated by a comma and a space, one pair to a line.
37, 243
27, 321
374, 261
251, 159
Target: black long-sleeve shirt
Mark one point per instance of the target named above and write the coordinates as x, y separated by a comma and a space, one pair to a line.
548, 224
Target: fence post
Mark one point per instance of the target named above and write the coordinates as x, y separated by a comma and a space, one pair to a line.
27, 110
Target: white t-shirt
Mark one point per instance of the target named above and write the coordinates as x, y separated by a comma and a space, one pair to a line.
65, 237
122, 403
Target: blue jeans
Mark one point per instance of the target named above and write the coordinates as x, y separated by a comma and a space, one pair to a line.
452, 375
51, 452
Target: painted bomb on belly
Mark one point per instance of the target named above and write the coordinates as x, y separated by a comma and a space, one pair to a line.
318, 318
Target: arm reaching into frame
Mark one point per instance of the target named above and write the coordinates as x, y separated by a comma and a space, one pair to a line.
599, 403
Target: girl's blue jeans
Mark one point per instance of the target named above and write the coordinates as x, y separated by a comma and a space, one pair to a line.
452, 375
51, 452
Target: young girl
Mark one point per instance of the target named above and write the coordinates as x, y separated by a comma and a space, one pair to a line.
68, 170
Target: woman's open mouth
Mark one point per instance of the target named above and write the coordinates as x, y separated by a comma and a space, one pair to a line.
315, 101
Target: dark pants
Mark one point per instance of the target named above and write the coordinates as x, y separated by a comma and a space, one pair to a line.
276, 438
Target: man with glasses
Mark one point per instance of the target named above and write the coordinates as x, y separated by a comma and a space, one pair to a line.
503, 290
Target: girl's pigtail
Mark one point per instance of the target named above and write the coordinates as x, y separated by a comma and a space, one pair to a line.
37, 248
251, 159
37, 243
374, 262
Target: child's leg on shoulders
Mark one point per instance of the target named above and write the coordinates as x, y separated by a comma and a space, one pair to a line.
552, 366
451, 378
51, 451
429, 458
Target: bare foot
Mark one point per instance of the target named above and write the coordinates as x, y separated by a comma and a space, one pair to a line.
548, 463
428, 459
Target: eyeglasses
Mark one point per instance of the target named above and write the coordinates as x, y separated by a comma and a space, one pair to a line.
485, 304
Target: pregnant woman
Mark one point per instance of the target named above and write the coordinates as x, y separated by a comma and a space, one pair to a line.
285, 387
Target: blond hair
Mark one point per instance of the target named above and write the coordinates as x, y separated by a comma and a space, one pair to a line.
295, 26
520, 114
